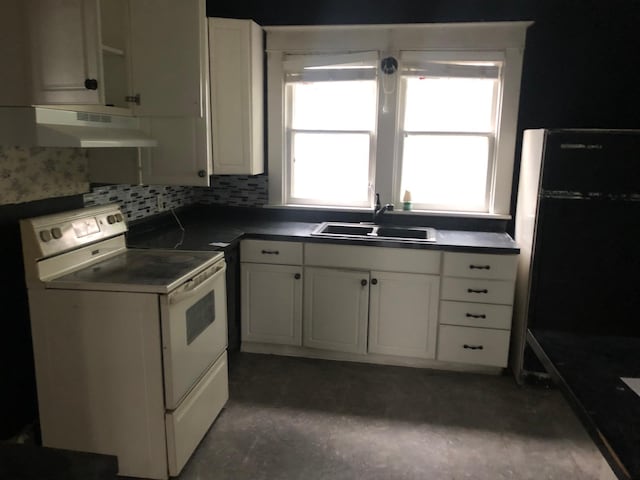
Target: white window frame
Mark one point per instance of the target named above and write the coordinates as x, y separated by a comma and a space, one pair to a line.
466, 56
508, 38
297, 63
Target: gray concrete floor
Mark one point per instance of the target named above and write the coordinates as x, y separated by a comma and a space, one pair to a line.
293, 418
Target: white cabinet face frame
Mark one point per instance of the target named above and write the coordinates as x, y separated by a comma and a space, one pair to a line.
403, 315
336, 306
271, 297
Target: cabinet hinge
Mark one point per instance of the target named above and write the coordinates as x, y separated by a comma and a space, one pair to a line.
133, 99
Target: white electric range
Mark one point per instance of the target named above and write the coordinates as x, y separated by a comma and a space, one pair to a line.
129, 345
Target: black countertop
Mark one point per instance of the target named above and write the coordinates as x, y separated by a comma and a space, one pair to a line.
588, 369
204, 226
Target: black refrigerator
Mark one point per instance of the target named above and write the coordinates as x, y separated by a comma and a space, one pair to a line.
578, 227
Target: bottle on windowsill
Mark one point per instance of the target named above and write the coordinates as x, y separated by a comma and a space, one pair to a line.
406, 200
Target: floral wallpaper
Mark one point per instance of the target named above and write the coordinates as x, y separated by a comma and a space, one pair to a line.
34, 173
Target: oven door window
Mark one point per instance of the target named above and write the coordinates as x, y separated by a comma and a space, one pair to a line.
200, 315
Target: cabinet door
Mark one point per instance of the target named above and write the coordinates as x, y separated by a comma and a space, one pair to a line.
271, 303
236, 62
336, 309
183, 154
170, 67
65, 46
403, 317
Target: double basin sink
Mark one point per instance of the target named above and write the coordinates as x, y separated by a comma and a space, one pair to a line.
375, 232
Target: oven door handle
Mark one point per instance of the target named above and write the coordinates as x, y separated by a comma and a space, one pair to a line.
194, 286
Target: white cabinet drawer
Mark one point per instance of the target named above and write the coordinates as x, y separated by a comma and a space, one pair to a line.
386, 259
266, 251
478, 265
478, 346
187, 424
483, 291
482, 315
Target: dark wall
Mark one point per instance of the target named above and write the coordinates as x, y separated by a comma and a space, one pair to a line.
580, 57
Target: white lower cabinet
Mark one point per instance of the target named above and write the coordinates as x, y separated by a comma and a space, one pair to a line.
271, 292
475, 308
271, 303
478, 346
402, 315
377, 304
336, 306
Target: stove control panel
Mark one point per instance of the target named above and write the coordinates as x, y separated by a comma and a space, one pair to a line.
54, 234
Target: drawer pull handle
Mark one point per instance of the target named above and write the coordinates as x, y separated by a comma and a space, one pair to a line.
270, 252
473, 347
297, 276
473, 315
472, 290
363, 282
480, 267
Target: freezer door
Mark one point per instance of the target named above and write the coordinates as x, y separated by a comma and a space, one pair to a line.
585, 268
592, 161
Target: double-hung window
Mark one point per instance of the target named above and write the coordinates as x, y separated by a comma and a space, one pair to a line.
330, 128
426, 109
449, 103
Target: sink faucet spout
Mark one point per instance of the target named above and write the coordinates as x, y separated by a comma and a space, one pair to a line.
379, 210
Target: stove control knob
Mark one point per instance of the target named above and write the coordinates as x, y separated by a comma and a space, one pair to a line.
56, 233
45, 236
119, 217
111, 219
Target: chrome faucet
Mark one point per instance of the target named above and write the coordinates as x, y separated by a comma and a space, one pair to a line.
379, 210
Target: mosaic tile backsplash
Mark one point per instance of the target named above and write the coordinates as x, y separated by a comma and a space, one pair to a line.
139, 201
33, 173
236, 191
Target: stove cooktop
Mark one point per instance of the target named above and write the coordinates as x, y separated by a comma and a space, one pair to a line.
139, 270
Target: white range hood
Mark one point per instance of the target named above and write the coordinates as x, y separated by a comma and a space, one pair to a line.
52, 127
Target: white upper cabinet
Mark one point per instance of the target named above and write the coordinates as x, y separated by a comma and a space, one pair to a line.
148, 56
237, 99
78, 52
64, 39
169, 54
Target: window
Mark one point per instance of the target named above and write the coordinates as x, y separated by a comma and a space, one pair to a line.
331, 118
442, 126
449, 103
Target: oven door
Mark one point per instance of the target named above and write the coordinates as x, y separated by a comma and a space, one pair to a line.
194, 330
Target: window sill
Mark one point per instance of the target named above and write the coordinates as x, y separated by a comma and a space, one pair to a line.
425, 213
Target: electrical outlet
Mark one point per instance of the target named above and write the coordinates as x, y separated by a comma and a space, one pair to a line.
160, 203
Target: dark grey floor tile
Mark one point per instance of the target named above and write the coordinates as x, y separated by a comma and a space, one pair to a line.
291, 418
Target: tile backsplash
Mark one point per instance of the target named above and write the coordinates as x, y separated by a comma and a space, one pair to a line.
33, 173
139, 201
236, 191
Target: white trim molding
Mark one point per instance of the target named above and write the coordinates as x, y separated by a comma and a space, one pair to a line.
506, 39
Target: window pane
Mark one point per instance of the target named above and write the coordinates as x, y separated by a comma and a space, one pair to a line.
449, 104
446, 171
334, 105
331, 168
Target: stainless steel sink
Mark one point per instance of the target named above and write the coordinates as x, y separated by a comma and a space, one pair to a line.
375, 232
346, 229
